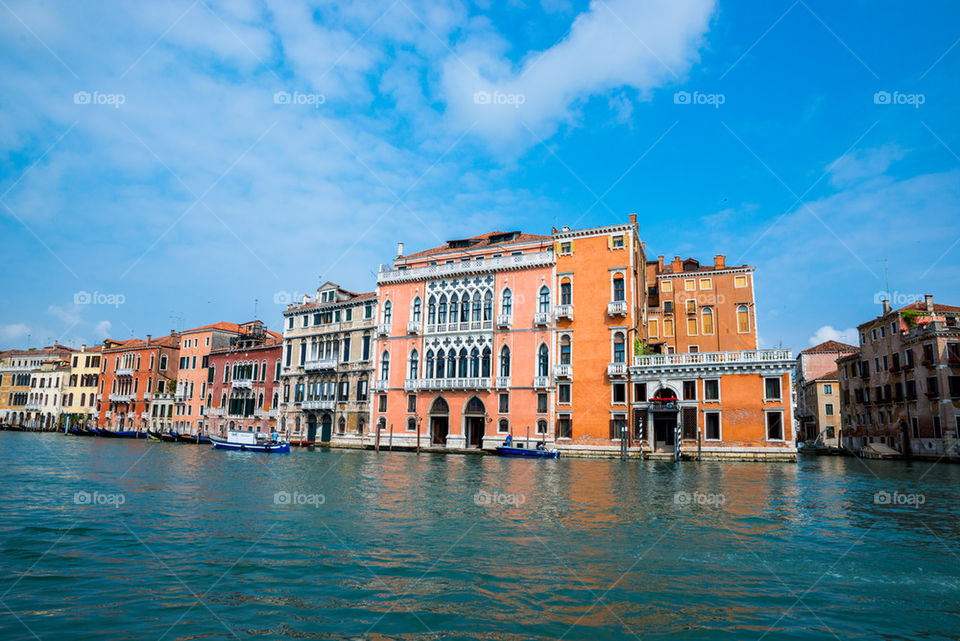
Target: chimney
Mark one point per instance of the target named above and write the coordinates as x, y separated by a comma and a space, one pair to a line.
306, 299
719, 261
83, 348
399, 249
928, 302
148, 339
633, 219
659, 264
677, 266
886, 306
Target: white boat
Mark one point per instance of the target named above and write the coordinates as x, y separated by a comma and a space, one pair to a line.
250, 442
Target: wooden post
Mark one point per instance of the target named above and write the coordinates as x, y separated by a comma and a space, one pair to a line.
376, 438
390, 439
698, 444
418, 436
528, 437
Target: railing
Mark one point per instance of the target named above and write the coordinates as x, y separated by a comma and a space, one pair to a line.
466, 267
124, 371
563, 370
380, 385
455, 326
320, 363
701, 358
617, 308
413, 327
504, 320
243, 383
411, 385
120, 398
616, 369
541, 318
503, 382
541, 382
448, 384
17, 368
217, 411
383, 329
563, 311
319, 405
272, 413
33, 405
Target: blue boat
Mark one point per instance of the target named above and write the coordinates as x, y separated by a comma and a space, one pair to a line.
250, 442
538, 451
80, 431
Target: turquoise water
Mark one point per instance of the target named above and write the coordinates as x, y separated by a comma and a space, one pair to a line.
115, 539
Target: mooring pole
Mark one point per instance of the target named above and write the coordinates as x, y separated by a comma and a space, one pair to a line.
699, 435
418, 435
376, 439
390, 439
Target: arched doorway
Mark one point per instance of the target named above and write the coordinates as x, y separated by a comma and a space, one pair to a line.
439, 421
311, 428
326, 428
663, 407
474, 422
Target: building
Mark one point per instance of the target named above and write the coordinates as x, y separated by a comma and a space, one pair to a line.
16, 367
190, 396
818, 392
132, 372
903, 388
327, 366
46, 393
244, 382
79, 405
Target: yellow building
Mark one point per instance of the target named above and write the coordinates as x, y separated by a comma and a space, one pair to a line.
80, 388
16, 367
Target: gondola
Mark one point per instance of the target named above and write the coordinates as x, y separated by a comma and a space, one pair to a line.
250, 442
188, 438
169, 437
80, 431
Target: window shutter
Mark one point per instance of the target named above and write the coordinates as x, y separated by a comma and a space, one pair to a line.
571, 246
609, 242
556, 248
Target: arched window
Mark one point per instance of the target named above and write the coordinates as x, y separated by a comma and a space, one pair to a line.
341, 425
504, 361
544, 300
385, 366
442, 310
387, 312
476, 307
260, 402
541, 426
454, 309
743, 319
440, 363
428, 372
565, 348
416, 309
414, 364
707, 325
503, 426
361, 425
276, 400
543, 361
485, 363
566, 292
462, 371
452, 363
506, 302
411, 424
474, 363
488, 306
619, 348
431, 311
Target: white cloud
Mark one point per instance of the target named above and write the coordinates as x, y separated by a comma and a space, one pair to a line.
858, 165
102, 329
828, 333
68, 317
617, 43
14, 331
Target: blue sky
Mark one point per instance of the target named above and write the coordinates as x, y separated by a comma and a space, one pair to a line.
180, 161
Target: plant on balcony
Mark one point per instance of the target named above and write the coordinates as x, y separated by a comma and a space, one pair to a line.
894, 369
171, 386
640, 348
927, 362
911, 317
932, 394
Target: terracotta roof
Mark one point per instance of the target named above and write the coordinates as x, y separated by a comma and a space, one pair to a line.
316, 304
56, 348
483, 241
829, 376
224, 325
668, 267
829, 347
920, 306
170, 340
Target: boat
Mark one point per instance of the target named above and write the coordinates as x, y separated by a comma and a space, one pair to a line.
169, 437
519, 451
193, 438
80, 431
250, 442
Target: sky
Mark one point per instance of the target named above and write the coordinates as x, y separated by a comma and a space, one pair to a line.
166, 165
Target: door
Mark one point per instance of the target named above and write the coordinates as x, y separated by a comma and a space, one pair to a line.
312, 428
475, 425
663, 432
438, 430
326, 427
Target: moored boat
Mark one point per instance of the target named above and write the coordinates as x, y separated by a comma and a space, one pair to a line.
250, 442
80, 431
519, 450
193, 438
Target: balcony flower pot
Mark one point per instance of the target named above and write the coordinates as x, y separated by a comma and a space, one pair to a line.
926, 362
894, 369
931, 394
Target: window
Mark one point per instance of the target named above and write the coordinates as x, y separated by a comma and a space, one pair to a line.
827, 388
544, 300
414, 364
616, 241
564, 426
542, 404
504, 361
712, 425
619, 291
411, 402
417, 305
563, 393
743, 319
666, 286
506, 303
543, 361
937, 428
362, 389
828, 409
619, 348
706, 321
565, 350
692, 326
366, 348
387, 312
668, 327
774, 426
368, 311
566, 295
689, 390
740, 281
619, 393
382, 403
504, 403
706, 283
691, 306
566, 248
771, 389
711, 389
541, 426
953, 383
689, 285
653, 328
503, 426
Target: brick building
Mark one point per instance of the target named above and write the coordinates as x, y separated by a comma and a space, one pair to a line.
132, 372
818, 393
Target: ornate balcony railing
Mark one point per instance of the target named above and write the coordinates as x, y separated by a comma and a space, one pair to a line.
616, 369
383, 329
447, 384
503, 382
413, 327
243, 383
120, 398
541, 319
320, 364
328, 404
33, 405
541, 382
380, 385
562, 370
617, 308
504, 320
488, 265
709, 358
563, 311
124, 371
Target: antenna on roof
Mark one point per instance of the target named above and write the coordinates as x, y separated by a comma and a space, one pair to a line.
255, 301
886, 277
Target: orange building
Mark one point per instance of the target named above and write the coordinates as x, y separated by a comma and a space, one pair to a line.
191, 396
133, 373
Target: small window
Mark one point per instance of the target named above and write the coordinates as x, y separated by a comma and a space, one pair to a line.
566, 248
740, 281
828, 409
828, 388
774, 426
653, 328
743, 319
711, 389
503, 426
382, 403
691, 306
504, 403
541, 426
771, 389
617, 241
692, 326
411, 402
619, 393
666, 286
706, 283
690, 285
668, 327
563, 393
689, 390
712, 425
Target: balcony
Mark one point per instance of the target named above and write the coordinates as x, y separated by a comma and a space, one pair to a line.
411, 385
563, 370
413, 327
504, 320
617, 308
120, 398
503, 382
907, 366
541, 319
320, 364
272, 413
429, 384
383, 329
124, 371
663, 404
616, 370
319, 405
33, 405
932, 394
380, 385
563, 311
242, 383
749, 357
541, 382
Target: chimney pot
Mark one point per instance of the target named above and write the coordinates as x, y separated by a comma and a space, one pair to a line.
719, 260
399, 249
928, 302
886, 306
148, 339
633, 219
659, 263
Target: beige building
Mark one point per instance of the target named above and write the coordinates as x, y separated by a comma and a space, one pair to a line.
818, 394
80, 398
16, 369
327, 368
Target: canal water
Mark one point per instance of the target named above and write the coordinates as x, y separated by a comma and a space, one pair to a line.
117, 539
